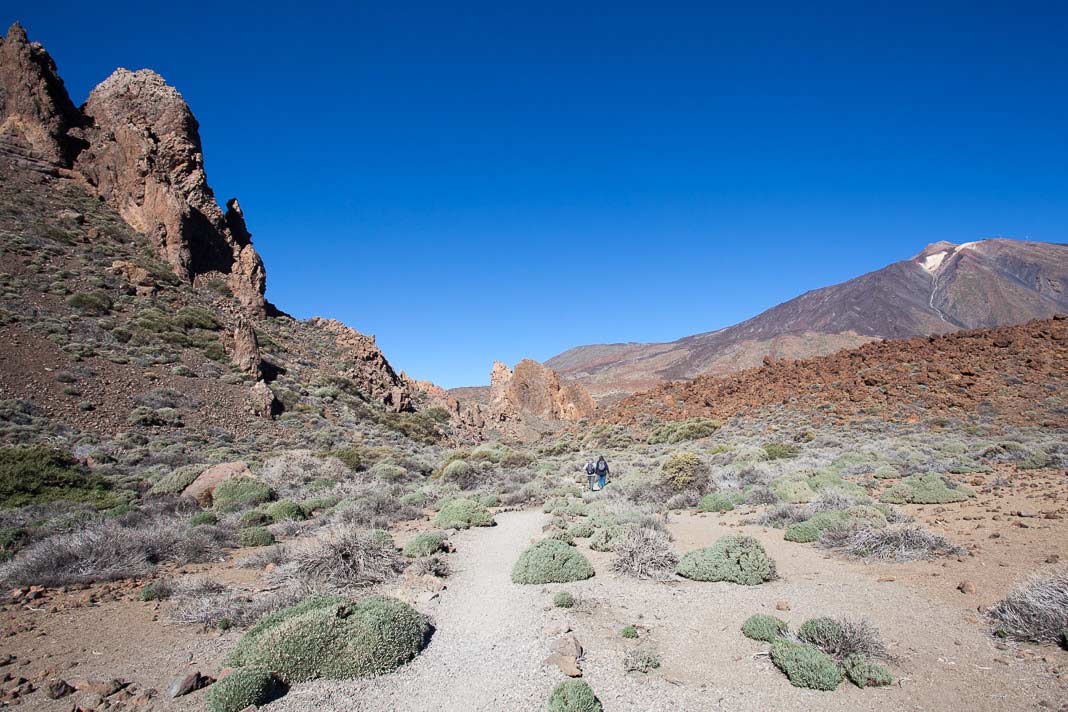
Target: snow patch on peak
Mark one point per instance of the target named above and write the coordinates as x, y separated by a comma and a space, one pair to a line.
933, 262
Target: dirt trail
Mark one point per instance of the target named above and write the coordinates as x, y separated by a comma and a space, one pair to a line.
487, 650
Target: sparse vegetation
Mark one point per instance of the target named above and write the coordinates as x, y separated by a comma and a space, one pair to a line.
643, 552
244, 687
905, 542
425, 544
573, 696
563, 599
550, 561
762, 627
641, 660
929, 488
805, 665
462, 514
38, 474
1035, 610
738, 559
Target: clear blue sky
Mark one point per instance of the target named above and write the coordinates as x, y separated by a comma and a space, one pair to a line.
479, 181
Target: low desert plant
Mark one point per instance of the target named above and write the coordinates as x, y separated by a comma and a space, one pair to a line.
255, 536
715, 502
1035, 610
693, 429
805, 665
334, 638
762, 627
641, 660
177, 480
629, 631
462, 514
580, 530
348, 556
605, 539
549, 561
425, 544
254, 518
643, 552
781, 451
240, 492
683, 471
37, 474
203, 518
929, 488
904, 542
242, 688
286, 510
865, 673
842, 639
563, 599
802, 532
739, 559
573, 696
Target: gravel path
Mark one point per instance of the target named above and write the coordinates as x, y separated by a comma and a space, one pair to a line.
487, 650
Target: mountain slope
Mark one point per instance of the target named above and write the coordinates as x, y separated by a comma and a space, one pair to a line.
944, 288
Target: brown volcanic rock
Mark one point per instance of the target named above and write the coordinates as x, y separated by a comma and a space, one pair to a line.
534, 389
363, 363
34, 104
246, 355
952, 374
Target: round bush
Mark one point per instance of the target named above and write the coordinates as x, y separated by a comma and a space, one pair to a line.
203, 518
254, 518
580, 531
715, 502
573, 696
684, 471
551, 561
629, 631
563, 599
334, 638
255, 536
242, 688
240, 492
425, 544
562, 535
929, 488
822, 632
739, 559
829, 520
605, 539
791, 489
389, 472
802, 532
462, 514
286, 510
806, 666
865, 673
762, 627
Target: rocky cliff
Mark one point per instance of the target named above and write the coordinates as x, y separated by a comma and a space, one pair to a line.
534, 390
136, 144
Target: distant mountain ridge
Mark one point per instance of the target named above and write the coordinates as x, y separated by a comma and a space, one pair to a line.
944, 288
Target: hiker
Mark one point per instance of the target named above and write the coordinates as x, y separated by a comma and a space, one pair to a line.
591, 472
602, 472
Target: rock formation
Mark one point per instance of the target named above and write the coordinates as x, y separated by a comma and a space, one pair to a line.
246, 355
534, 389
361, 361
136, 143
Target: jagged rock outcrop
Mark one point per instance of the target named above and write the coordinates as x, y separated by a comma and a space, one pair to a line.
34, 104
246, 355
361, 361
137, 144
262, 402
534, 389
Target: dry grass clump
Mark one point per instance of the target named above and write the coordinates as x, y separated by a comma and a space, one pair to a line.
1036, 610
904, 542
644, 552
201, 601
348, 557
276, 555
842, 639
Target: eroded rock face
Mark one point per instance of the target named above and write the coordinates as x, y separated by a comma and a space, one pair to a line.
137, 144
34, 105
246, 355
534, 389
363, 363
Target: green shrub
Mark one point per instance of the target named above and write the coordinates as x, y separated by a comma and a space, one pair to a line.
90, 303
929, 488
886, 471
350, 456
203, 518
563, 599
781, 451
739, 559
605, 539
177, 480
865, 673
195, 318
827, 520
573, 696
458, 471
683, 471
762, 627
242, 688
413, 499
580, 530
806, 666
425, 544
551, 561
793, 489
388, 472
154, 591
463, 514
240, 492
255, 536
693, 429
802, 532
629, 631
715, 502
562, 535
334, 638
254, 518
643, 661
36, 474
825, 633
286, 510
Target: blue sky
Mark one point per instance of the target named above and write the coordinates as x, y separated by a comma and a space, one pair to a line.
501, 180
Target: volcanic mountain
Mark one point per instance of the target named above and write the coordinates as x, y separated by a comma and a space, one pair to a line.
946, 287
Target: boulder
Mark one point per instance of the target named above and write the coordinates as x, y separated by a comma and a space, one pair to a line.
262, 402
203, 486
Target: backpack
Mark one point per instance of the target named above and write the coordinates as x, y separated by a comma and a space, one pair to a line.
590, 469
602, 466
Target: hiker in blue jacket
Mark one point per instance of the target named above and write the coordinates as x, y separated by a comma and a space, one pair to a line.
602, 472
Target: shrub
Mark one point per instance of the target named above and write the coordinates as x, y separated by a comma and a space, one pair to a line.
156, 591
605, 539
802, 532
562, 535
715, 502
683, 471
843, 639
334, 638
425, 544
644, 552
389, 472
573, 696
461, 472
781, 451
886, 471
791, 489
242, 688
37, 474
825, 633
177, 480
549, 561
894, 543
739, 559
286, 510
254, 518
629, 631
580, 530
563, 599
762, 627
929, 488
1037, 609
865, 673
240, 492
806, 666
90, 303
462, 514
693, 429
255, 536
203, 518
643, 661
349, 556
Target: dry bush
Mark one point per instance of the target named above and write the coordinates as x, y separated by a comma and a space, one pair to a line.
348, 556
1036, 610
201, 601
893, 543
432, 565
644, 552
276, 555
842, 638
